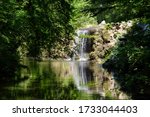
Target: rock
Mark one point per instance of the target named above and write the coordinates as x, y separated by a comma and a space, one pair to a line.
108, 37
103, 22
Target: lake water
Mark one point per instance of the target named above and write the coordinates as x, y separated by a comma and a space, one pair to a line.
63, 80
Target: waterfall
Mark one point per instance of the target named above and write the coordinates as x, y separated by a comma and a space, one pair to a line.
81, 45
82, 74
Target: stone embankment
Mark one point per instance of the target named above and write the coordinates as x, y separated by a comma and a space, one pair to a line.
104, 37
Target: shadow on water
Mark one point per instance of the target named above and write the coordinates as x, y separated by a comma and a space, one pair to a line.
63, 80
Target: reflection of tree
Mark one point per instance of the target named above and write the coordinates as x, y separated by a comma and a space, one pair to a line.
43, 84
106, 85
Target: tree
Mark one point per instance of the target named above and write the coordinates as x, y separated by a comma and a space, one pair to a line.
120, 10
9, 40
48, 22
79, 17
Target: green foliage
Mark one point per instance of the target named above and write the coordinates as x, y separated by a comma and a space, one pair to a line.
119, 10
48, 22
9, 41
131, 62
79, 17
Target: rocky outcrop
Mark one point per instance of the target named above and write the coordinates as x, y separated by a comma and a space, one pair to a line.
105, 36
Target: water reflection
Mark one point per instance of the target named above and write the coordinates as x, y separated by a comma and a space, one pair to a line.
93, 79
63, 80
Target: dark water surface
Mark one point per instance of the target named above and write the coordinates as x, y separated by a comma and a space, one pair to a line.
63, 80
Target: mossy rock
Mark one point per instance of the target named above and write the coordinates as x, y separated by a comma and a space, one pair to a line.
106, 35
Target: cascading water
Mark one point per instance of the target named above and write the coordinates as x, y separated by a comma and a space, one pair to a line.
80, 67
81, 44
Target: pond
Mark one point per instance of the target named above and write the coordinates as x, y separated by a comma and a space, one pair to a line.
63, 80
